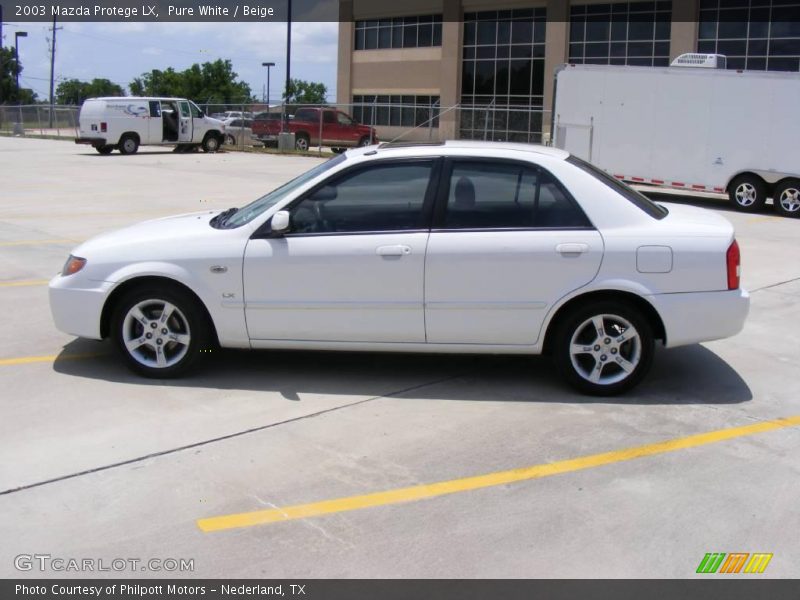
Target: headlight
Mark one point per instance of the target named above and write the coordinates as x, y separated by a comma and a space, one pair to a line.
73, 265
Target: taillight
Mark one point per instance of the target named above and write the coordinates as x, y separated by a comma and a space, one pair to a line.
103, 127
733, 260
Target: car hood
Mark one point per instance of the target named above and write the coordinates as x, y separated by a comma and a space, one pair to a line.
147, 233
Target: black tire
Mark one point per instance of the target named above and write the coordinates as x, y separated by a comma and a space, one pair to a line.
302, 142
187, 319
748, 193
107, 149
364, 141
786, 198
230, 140
338, 150
211, 143
128, 144
594, 368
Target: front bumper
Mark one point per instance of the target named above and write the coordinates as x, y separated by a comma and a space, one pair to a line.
77, 305
694, 317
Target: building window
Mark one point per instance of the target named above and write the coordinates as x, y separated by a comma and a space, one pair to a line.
502, 83
752, 34
401, 32
621, 33
397, 111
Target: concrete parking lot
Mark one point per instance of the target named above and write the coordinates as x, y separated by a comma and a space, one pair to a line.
98, 463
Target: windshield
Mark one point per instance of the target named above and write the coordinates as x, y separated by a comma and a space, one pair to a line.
640, 200
252, 210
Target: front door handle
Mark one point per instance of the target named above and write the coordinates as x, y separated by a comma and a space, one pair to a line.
397, 250
572, 248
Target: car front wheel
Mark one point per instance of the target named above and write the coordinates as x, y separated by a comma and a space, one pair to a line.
210, 143
604, 348
159, 332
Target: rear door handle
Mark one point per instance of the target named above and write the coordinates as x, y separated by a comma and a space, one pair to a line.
397, 250
572, 248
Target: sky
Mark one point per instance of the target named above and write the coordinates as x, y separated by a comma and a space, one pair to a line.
122, 51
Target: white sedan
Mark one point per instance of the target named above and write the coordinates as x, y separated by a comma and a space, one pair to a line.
451, 247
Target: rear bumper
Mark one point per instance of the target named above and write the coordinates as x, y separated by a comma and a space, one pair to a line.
695, 317
91, 141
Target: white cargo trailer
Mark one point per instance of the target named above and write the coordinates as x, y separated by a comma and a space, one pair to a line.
713, 130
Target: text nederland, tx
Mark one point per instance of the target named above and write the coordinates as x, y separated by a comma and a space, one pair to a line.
157, 590
149, 10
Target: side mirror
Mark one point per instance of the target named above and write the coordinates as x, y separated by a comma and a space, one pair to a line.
280, 222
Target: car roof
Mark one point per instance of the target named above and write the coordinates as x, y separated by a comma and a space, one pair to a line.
494, 148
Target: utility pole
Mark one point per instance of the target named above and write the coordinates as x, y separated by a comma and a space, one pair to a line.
288, 46
1, 50
52, 71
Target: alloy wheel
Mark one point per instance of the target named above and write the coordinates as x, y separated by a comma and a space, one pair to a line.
156, 333
605, 349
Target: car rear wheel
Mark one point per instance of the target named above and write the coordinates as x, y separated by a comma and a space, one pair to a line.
129, 144
604, 348
787, 198
160, 332
364, 141
230, 140
748, 193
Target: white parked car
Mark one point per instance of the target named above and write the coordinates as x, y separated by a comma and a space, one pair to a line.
239, 132
456, 247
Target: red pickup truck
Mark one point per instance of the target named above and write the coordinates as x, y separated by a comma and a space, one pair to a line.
339, 130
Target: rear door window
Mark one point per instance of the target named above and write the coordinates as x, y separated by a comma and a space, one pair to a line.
507, 195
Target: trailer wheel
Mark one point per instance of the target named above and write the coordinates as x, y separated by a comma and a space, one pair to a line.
787, 198
748, 193
128, 144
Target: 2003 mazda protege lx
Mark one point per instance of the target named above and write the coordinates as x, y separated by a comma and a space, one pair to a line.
454, 247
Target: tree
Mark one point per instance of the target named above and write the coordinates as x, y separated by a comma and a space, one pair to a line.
305, 92
74, 91
10, 67
211, 83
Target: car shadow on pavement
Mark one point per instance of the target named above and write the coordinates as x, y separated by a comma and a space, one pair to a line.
688, 375
127, 156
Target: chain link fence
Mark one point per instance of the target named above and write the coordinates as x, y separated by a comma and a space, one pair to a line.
39, 120
378, 118
327, 127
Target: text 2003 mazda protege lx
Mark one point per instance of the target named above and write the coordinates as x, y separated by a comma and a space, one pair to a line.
455, 247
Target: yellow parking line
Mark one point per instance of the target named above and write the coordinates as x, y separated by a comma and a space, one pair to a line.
432, 490
26, 360
24, 283
38, 242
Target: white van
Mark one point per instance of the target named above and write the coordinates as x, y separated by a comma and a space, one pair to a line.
126, 123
